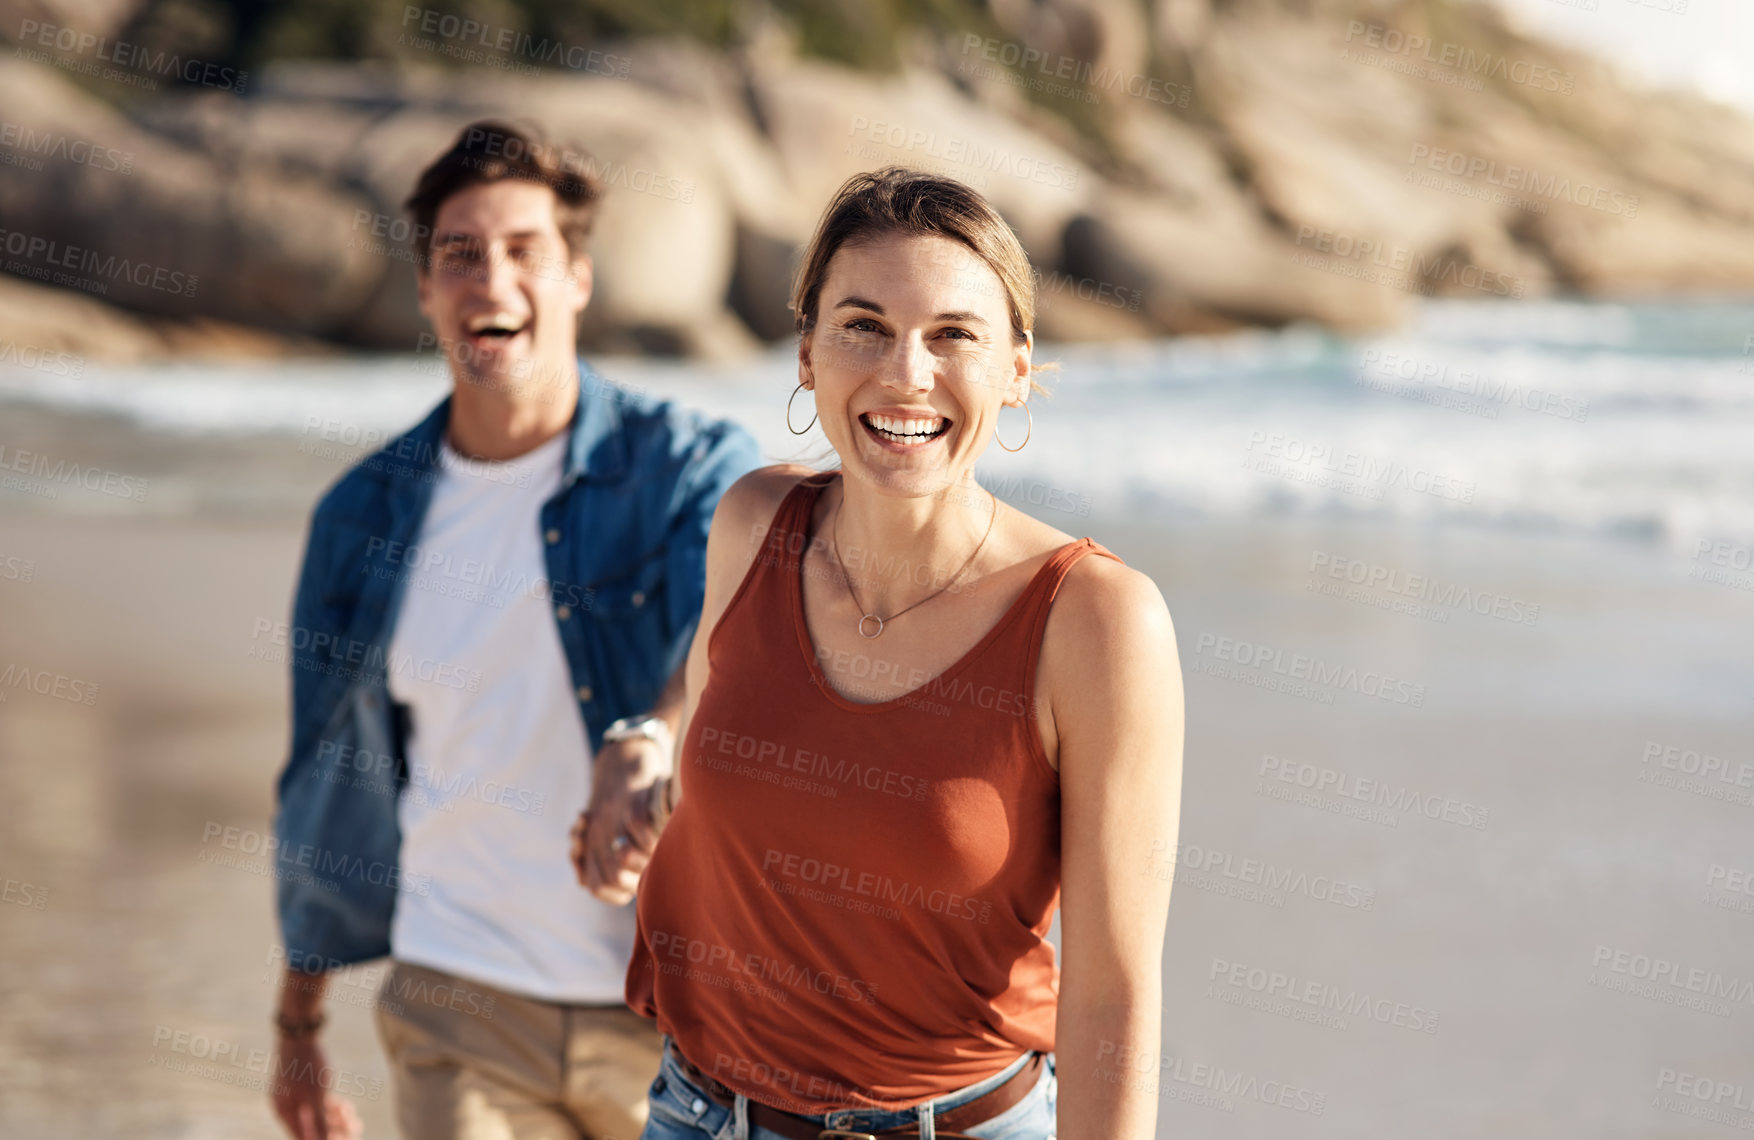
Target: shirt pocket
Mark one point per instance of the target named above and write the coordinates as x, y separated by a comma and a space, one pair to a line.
633, 594
628, 617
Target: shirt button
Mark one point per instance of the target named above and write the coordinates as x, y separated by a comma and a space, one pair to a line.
562, 612
639, 598
584, 692
553, 536
698, 1105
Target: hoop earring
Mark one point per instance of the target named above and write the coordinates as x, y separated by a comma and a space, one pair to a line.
789, 400
1029, 432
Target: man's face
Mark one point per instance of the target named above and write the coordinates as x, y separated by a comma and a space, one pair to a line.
502, 291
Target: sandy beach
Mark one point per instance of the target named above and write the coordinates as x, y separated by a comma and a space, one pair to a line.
1426, 881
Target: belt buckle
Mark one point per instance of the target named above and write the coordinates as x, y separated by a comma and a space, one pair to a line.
844, 1134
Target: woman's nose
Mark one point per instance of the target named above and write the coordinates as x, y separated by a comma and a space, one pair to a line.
909, 366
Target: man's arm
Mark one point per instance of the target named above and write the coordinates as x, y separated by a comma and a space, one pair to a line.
737, 532
723, 454
616, 834
306, 1109
626, 776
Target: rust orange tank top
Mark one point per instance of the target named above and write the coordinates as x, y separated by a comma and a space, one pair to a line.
850, 906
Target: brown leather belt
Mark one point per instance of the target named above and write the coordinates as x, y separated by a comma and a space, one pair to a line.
944, 1124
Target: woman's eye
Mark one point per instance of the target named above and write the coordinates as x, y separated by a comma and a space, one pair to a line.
959, 334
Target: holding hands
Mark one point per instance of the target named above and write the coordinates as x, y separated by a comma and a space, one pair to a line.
617, 832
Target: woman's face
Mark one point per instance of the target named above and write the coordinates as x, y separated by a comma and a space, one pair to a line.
911, 358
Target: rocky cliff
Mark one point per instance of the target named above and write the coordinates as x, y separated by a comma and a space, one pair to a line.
1177, 166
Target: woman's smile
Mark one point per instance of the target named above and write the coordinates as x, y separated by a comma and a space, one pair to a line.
904, 432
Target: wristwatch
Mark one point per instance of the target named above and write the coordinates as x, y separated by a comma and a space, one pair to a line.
646, 727
651, 728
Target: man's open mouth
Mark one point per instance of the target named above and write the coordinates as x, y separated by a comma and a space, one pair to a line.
496, 329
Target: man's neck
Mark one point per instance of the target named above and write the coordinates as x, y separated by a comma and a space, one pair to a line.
498, 423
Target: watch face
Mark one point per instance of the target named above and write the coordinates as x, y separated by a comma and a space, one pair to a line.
649, 728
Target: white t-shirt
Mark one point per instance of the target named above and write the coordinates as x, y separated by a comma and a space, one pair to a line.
498, 774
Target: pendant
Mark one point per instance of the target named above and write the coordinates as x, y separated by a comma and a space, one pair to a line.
866, 618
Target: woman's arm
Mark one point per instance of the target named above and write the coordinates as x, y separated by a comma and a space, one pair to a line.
1113, 681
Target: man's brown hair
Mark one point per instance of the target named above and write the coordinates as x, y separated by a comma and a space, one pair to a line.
489, 151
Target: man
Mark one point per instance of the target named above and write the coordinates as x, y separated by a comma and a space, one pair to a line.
493, 614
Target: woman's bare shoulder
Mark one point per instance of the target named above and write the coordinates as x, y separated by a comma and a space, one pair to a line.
745, 511
1105, 591
1098, 593
755, 496
1108, 655
1105, 608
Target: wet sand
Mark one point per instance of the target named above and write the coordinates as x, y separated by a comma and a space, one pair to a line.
1484, 934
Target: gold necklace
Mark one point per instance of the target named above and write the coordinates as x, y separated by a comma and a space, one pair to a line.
834, 545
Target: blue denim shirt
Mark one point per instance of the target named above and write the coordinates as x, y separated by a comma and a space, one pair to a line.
626, 557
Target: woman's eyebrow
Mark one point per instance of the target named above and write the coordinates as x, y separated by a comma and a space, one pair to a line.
961, 317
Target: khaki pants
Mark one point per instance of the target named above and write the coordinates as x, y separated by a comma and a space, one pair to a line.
472, 1062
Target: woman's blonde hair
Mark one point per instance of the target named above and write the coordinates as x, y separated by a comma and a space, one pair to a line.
896, 200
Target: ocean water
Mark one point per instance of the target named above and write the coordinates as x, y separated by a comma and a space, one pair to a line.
1628, 420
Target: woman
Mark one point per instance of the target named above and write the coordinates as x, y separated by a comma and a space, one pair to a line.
914, 716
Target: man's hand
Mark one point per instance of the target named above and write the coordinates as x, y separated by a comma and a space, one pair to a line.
614, 837
304, 1106
307, 1109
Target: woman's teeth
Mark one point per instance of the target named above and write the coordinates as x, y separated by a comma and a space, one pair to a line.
908, 430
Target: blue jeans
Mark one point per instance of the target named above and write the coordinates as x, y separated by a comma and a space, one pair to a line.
682, 1110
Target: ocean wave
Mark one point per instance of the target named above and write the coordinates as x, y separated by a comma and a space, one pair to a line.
1618, 419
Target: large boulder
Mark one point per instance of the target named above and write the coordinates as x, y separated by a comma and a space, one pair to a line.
827, 124
1194, 276
106, 207
314, 138
1485, 158
55, 331
1189, 243
1098, 46
665, 239
56, 334
1303, 145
